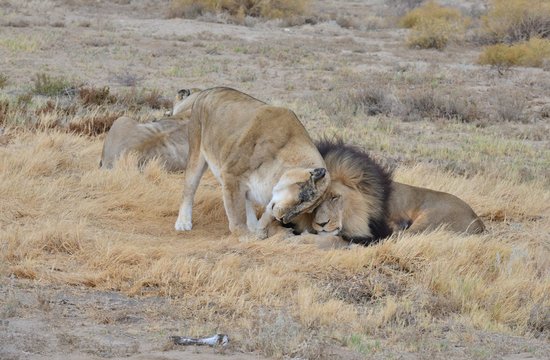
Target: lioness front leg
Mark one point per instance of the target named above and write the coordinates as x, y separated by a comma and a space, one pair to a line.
193, 173
265, 221
234, 201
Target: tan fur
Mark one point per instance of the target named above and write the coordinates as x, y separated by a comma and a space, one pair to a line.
165, 139
261, 155
425, 209
411, 208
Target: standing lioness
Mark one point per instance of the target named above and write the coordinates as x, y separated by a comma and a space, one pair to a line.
261, 155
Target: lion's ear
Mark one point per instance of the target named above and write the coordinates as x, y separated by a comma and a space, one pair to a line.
318, 173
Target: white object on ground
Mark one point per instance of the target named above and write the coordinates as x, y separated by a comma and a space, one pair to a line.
218, 339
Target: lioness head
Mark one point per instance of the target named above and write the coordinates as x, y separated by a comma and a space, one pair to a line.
183, 102
298, 191
328, 215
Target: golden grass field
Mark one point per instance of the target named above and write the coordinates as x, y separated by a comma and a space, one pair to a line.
69, 230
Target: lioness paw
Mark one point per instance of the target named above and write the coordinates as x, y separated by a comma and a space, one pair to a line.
261, 234
183, 225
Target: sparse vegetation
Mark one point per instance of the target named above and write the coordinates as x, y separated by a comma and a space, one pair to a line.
127, 78
47, 85
410, 106
275, 9
535, 53
3, 81
510, 21
20, 43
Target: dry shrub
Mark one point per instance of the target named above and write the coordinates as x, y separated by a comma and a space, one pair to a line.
96, 96
434, 26
411, 105
139, 98
510, 105
427, 103
274, 9
534, 53
517, 20
356, 101
93, 125
430, 10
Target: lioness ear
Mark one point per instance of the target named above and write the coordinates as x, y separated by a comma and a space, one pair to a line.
318, 173
183, 93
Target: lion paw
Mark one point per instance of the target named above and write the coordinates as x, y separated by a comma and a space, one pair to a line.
183, 225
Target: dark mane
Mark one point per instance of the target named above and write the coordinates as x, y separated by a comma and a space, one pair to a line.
374, 180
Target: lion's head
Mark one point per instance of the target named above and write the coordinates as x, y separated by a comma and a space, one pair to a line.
355, 206
328, 216
298, 191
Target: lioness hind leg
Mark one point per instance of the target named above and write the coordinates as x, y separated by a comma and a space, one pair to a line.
193, 173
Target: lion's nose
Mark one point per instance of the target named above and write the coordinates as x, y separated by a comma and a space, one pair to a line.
322, 224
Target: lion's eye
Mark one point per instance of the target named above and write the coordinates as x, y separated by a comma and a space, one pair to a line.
334, 198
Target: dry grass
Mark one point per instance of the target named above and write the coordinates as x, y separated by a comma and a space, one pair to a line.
517, 20
534, 53
65, 221
275, 9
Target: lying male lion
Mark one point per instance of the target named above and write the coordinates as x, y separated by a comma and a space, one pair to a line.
262, 156
165, 139
351, 203
356, 205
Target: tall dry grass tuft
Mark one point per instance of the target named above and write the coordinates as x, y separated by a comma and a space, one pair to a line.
63, 220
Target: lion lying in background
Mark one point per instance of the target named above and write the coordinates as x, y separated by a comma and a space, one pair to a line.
165, 139
352, 202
